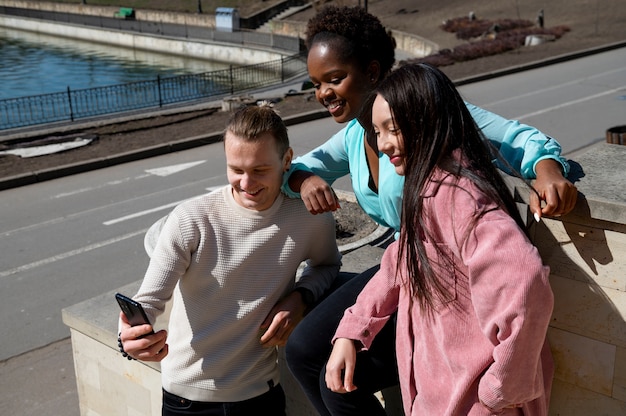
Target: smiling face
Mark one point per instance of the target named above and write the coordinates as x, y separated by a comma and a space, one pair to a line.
255, 169
388, 136
340, 85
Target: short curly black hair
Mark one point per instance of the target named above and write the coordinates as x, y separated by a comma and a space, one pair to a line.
358, 35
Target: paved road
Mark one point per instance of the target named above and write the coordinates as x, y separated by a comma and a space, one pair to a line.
574, 102
70, 239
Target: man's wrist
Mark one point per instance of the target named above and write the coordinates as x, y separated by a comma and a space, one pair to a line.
308, 298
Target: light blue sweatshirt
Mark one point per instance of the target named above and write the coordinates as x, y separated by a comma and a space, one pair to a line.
522, 146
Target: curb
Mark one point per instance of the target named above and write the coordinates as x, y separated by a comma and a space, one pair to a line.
378, 237
158, 150
538, 64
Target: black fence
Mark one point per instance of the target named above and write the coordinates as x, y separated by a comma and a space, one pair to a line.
71, 105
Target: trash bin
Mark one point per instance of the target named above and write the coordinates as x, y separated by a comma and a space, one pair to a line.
616, 135
226, 19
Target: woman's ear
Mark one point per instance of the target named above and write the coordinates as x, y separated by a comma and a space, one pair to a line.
373, 72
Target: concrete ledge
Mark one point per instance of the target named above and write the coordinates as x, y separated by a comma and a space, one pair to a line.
102, 373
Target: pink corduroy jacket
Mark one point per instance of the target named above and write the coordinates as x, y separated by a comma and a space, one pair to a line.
485, 350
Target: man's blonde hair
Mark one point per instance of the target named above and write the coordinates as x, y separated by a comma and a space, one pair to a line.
252, 121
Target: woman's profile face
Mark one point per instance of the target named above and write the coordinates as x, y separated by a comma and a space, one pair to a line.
388, 136
341, 86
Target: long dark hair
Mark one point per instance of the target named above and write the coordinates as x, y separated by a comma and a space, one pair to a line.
435, 125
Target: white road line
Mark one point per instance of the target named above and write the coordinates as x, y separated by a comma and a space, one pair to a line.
156, 209
71, 253
567, 104
141, 213
170, 170
93, 188
554, 87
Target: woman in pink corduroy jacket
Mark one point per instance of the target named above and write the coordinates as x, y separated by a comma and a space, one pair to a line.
471, 291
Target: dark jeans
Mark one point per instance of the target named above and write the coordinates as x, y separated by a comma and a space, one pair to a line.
309, 347
270, 403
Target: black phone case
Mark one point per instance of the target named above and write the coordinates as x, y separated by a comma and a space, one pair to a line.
132, 309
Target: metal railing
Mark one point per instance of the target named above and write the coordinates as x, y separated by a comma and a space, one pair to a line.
71, 105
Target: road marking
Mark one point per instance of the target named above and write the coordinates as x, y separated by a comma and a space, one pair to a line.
93, 188
170, 170
156, 209
569, 103
71, 253
554, 87
162, 172
142, 213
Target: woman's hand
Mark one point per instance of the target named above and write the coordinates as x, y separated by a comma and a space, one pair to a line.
558, 193
342, 360
141, 346
317, 195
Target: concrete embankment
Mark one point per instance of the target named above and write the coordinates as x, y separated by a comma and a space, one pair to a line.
211, 51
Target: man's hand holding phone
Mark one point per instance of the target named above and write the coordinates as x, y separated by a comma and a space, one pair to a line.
137, 337
141, 342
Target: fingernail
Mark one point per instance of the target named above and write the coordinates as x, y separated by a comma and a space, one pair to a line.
537, 218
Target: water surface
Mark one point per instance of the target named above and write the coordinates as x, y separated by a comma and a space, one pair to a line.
33, 64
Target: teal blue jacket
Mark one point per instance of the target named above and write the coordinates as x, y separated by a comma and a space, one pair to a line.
522, 146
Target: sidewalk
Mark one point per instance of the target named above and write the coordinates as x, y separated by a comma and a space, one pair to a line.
40, 382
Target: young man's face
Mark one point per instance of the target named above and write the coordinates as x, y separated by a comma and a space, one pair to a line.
255, 169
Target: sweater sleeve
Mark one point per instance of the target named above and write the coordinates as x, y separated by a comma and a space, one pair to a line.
513, 302
522, 146
168, 262
375, 304
328, 161
324, 260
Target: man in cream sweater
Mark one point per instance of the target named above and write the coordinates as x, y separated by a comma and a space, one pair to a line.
229, 260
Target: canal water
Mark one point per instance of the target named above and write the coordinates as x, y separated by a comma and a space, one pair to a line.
33, 64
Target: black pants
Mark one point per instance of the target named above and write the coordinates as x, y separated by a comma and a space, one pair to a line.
271, 403
309, 346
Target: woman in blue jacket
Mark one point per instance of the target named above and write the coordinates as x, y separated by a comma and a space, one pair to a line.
349, 53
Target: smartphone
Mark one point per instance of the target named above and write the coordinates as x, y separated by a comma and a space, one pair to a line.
133, 310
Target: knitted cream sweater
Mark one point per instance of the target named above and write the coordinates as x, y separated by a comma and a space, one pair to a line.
226, 267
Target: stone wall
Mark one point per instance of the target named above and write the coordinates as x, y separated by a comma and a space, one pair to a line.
585, 251
189, 19
407, 43
218, 52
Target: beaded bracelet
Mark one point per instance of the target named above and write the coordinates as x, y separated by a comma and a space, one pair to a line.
121, 346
